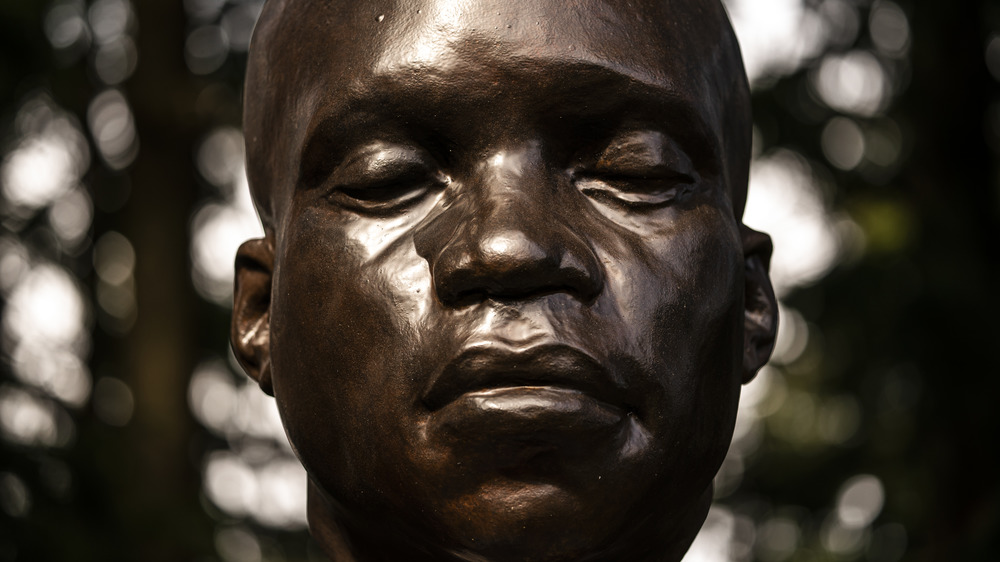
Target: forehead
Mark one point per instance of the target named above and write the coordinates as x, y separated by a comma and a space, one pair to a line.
332, 48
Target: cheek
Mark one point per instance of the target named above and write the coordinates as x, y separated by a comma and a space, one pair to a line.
345, 340
682, 295
705, 338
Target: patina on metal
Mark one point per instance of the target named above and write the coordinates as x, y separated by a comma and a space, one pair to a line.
504, 300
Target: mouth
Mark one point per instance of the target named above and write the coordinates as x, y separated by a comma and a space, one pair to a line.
551, 395
492, 376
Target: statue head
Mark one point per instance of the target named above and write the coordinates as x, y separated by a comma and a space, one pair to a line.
505, 301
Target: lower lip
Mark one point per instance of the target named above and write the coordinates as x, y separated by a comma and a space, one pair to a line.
531, 413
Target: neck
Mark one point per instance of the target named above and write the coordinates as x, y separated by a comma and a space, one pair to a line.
324, 528
342, 541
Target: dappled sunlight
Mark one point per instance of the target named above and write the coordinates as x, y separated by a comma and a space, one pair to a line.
232, 406
221, 225
776, 36
830, 147
270, 490
49, 160
853, 83
843, 143
15, 497
113, 129
889, 28
46, 309
58, 372
46, 318
238, 544
789, 198
206, 49
71, 216
725, 536
29, 419
216, 32
785, 201
114, 263
113, 401
258, 477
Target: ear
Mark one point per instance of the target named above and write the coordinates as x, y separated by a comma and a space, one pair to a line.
760, 305
250, 332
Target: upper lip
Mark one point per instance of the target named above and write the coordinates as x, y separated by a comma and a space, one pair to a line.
486, 367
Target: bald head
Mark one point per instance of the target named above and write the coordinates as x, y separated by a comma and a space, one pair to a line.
309, 58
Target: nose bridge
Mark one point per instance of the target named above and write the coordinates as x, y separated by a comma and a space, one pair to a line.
512, 189
509, 238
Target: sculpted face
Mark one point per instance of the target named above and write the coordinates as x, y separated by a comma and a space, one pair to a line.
505, 303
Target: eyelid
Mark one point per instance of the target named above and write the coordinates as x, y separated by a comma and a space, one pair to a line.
379, 162
382, 177
638, 169
644, 153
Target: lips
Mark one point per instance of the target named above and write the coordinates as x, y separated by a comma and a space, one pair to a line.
508, 406
543, 410
554, 366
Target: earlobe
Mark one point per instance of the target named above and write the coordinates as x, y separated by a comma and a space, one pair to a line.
250, 332
760, 304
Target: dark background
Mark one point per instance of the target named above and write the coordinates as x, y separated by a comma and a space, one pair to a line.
900, 358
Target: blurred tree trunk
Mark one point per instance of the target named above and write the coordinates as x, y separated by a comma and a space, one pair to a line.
951, 176
159, 493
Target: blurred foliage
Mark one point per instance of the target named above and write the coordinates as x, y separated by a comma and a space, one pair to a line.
900, 333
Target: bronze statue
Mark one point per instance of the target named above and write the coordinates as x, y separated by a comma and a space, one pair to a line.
505, 300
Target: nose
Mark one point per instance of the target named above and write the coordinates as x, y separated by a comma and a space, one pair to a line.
507, 236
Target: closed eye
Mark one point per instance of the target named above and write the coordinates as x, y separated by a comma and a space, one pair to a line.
384, 177
653, 190
639, 168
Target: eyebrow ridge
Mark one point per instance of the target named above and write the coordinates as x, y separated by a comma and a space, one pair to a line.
402, 96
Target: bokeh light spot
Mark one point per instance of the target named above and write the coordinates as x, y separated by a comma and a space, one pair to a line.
46, 309
860, 501
109, 19
776, 37
785, 201
58, 372
220, 158
27, 419
853, 82
114, 258
238, 22
113, 401
237, 544
230, 483
50, 159
205, 49
15, 498
14, 264
777, 539
843, 143
70, 217
113, 129
65, 26
840, 539
114, 62
889, 28
888, 543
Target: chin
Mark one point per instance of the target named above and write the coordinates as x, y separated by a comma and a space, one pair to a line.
529, 522
559, 504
